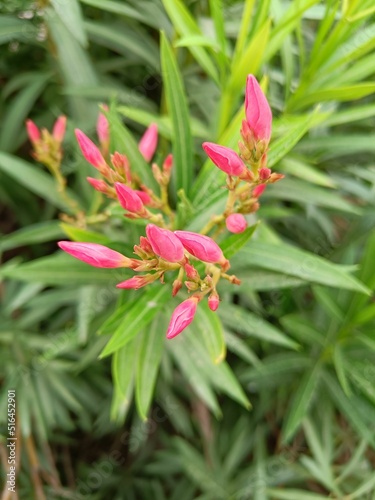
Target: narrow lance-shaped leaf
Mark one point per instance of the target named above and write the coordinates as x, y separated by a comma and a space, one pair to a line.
175, 94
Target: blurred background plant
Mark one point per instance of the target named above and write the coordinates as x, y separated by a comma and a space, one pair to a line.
299, 330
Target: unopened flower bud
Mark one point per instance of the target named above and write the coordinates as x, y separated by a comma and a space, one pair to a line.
213, 301
121, 165
182, 316
59, 127
258, 111
224, 158
157, 173
102, 128
236, 223
191, 272
129, 199
264, 173
94, 254
145, 197
168, 164
98, 184
137, 282
32, 131
92, 153
176, 287
258, 190
275, 177
147, 144
165, 243
201, 246
145, 245
192, 286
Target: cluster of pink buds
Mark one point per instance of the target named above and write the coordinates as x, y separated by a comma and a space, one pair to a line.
163, 251
47, 146
118, 182
195, 258
250, 166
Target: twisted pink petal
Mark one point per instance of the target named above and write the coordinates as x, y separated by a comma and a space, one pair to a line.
182, 316
149, 141
224, 158
201, 246
258, 111
129, 199
165, 243
32, 131
94, 254
90, 151
59, 127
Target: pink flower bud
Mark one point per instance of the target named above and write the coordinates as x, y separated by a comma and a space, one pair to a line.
32, 131
137, 282
102, 127
121, 165
145, 197
258, 111
176, 287
129, 199
191, 272
182, 316
264, 173
236, 223
213, 301
98, 184
149, 141
91, 152
94, 254
258, 190
59, 127
168, 164
224, 158
145, 245
165, 243
202, 247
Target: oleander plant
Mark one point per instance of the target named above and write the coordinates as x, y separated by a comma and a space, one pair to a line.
187, 249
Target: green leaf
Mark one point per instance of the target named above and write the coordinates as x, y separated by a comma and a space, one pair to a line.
251, 59
301, 401
299, 263
150, 350
182, 144
186, 26
18, 110
139, 316
210, 329
12, 28
123, 365
294, 494
34, 179
349, 93
240, 320
75, 66
304, 192
70, 14
131, 40
230, 246
83, 235
30, 235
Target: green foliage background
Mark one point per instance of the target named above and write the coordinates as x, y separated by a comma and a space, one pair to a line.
156, 419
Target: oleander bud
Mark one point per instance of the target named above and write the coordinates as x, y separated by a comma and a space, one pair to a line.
236, 223
94, 254
182, 316
224, 158
165, 243
149, 141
